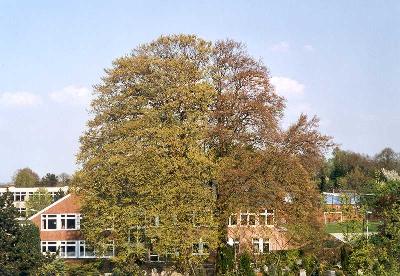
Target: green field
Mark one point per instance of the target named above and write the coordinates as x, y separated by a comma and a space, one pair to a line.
338, 227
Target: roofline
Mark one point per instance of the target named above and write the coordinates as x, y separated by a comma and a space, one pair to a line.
50, 206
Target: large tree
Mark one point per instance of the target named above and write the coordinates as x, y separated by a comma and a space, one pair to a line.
185, 131
25, 178
260, 164
144, 157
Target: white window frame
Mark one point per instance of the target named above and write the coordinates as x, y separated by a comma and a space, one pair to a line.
201, 249
65, 244
268, 213
233, 215
59, 218
65, 217
260, 245
46, 244
85, 256
45, 222
248, 214
21, 196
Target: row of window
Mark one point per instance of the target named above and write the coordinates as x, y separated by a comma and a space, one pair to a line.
61, 222
259, 245
267, 218
73, 249
22, 196
198, 249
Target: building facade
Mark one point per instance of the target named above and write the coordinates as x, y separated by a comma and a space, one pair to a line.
255, 232
60, 234
21, 194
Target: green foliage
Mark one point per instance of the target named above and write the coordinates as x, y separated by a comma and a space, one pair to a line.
82, 269
56, 267
59, 194
19, 244
28, 248
226, 260
148, 161
245, 268
25, 178
38, 201
49, 180
185, 131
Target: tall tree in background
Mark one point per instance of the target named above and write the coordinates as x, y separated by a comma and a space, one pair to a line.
25, 178
64, 179
388, 159
49, 180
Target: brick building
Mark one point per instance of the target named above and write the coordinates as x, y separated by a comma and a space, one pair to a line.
255, 232
59, 226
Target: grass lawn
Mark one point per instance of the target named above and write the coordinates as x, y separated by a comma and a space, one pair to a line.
337, 227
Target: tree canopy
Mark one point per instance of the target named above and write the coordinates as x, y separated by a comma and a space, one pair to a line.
183, 132
25, 178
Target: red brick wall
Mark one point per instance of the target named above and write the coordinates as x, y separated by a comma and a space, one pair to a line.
69, 205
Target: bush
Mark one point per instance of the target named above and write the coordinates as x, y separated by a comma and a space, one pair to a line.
245, 268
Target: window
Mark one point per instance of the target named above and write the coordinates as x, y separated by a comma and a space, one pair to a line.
109, 250
200, 248
70, 222
247, 219
260, 245
232, 220
266, 218
85, 250
49, 222
256, 246
49, 246
243, 219
19, 196
61, 222
265, 246
68, 249
22, 211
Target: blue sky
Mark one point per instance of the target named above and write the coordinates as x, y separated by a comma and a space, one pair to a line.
338, 60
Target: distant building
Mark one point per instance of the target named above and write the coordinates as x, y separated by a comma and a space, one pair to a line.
21, 194
340, 207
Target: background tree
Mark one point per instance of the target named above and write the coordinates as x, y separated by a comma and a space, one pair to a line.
49, 180
38, 201
64, 179
25, 178
388, 159
59, 194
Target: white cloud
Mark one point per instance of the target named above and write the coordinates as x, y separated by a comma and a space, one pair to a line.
309, 48
19, 99
287, 87
282, 46
72, 95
